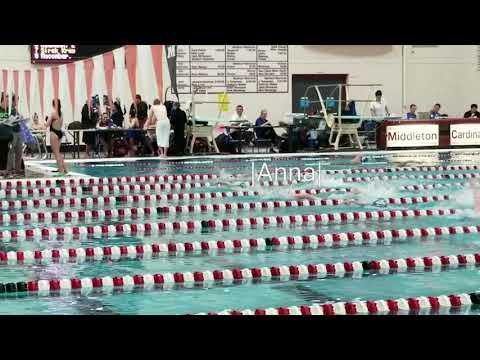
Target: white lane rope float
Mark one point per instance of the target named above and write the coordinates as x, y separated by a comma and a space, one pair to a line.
92, 182
412, 305
58, 197
241, 276
305, 242
410, 177
403, 169
432, 186
61, 194
186, 227
153, 212
132, 190
95, 190
73, 181
105, 201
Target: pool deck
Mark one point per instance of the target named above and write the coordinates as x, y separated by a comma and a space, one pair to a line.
42, 168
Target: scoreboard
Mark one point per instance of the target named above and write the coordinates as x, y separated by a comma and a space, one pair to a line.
62, 54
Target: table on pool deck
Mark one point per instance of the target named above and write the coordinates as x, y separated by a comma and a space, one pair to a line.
440, 133
244, 128
76, 135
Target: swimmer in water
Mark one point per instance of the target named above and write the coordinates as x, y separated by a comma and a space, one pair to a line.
226, 179
475, 186
357, 159
240, 184
360, 159
354, 200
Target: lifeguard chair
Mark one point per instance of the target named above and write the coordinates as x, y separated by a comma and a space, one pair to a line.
202, 126
338, 113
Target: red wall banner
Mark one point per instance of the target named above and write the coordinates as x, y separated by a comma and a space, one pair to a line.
41, 84
129, 56
5, 91
71, 83
28, 75
55, 81
157, 53
131, 60
15, 87
108, 64
88, 66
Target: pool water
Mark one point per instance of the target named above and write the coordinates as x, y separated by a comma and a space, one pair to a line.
266, 293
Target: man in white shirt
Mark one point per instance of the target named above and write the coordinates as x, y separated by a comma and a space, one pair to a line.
379, 107
237, 119
239, 116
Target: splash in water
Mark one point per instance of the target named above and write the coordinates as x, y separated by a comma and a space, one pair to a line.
467, 201
227, 179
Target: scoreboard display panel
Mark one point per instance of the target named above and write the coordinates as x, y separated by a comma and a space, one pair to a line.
62, 54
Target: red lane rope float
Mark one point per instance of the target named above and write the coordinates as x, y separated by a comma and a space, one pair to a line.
240, 276
230, 246
402, 177
70, 181
412, 305
403, 169
141, 189
136, 199
92, 182
432, 186
95, 190
61, 192
149, 212
128, 189
266, 205
91, 202
186, 227
100, 201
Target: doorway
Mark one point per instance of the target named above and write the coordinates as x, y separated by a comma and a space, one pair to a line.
300, 82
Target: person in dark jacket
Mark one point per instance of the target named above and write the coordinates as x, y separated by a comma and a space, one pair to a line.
178, 120
473, 113
117, 115
141, 110
89, 121
6, 136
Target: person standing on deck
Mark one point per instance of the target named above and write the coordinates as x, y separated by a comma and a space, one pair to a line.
379, 107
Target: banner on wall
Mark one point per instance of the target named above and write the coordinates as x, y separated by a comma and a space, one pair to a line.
5, 100
117, 66
15, 90
41, 83
171, 54
223, 102
465, 134
108, 64
412, 135
88, 67
131, 63
27, 75
71, 83
157, 55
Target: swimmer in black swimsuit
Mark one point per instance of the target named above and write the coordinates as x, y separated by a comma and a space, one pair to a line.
59, 133
55, 124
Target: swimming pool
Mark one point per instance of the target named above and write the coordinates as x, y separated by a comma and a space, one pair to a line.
162, 237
